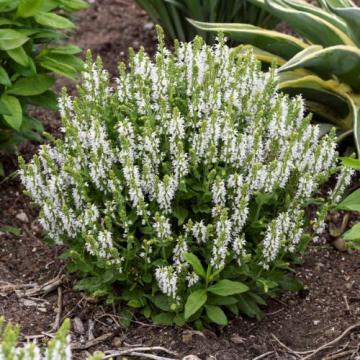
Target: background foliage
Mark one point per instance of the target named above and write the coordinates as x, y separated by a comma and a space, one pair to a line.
30, 52
172, 14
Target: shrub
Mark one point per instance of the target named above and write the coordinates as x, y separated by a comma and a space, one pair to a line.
182, 190
30, 32
58, 348
324, 67
172, 15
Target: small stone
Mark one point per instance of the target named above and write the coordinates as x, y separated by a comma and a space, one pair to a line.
78, 325
22, 217
148, 26
191, 357
316, 322
340, 244
237, 339
117, 342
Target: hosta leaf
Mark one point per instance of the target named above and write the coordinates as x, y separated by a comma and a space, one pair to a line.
19, 55
351, 162
53, 20
216, 315
340, 61
74, 5
14, 106
228, 287
194, 261
351, 203
32, 85
353, 234
4, 77
11, 39
28, 8
195, 302
274, 42
312, 27
69, 49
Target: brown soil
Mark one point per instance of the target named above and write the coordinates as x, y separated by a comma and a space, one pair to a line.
301, 321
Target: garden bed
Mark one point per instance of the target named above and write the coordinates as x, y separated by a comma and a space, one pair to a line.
329, 304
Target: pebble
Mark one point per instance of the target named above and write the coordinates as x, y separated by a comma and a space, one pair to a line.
191, 357
22, 217
78, 325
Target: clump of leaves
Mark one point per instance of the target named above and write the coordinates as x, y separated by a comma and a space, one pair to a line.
31, 50
181, 191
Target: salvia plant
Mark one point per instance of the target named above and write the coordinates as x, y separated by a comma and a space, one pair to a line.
181, 190
31, 50
58, 348
324, 65
172, 15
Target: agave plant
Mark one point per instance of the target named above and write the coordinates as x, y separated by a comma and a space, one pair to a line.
324, 65
172, 14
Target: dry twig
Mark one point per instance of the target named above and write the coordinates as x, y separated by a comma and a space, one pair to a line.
59, 308
141, 352
93, 342
263, 356
40, 290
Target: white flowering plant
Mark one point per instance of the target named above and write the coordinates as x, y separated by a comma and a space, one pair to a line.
57, 349
180, 187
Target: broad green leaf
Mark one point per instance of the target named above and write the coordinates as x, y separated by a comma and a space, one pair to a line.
19, 55
69, 49
53, 20
164, 319
351, 15
327, 98
194, 261
33, 85
28, 8
340, 61
227, 287
162, 302
351, 203
313, 28
11, 39
216, 315
249, 307
221, 300
353, 234
195, 302
14, 106
351, 162
58, 67
4, 77
274, 42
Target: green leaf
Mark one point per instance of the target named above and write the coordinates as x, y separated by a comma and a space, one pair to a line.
249, 307
228, 287
14, 106
58, 67
351, 162
194, 261
180, 213
351, 203
74, 5
28, 8
11, 39
216, 315
353, 234
274, 42
162, 302
19, 55
53, 20
4, 77
10, 230
164, 319
195, 302
222, 300
32, 85
69, 49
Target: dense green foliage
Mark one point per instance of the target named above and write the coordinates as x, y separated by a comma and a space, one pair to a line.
324, 66
172, 15
31, 34
181, 191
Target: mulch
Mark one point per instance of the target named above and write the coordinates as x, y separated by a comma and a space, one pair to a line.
295, 322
